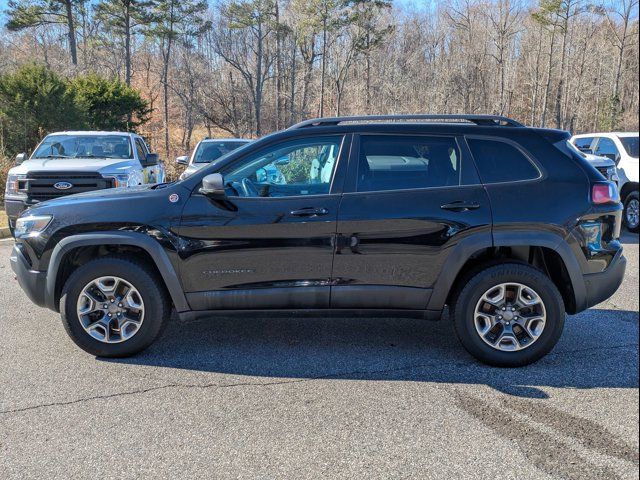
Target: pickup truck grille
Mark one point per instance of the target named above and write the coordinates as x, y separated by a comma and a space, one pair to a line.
39, 186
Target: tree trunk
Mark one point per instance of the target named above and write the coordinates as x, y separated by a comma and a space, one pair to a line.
127, 45
165, 94
279, 68
71, 32
547, 87
324, 67
563, 57
258, 86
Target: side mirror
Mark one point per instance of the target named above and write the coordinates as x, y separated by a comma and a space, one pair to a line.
213, 186
182, 160
151, 160
21, 157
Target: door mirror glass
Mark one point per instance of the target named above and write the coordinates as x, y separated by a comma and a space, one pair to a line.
182, 160
213, 186
21, 157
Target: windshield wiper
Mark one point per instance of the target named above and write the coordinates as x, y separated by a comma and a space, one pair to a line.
55, 156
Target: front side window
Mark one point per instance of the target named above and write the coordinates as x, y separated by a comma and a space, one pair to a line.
500, 162
84, 146
607, 148
209, 151
293, 168
405, 162
142, 151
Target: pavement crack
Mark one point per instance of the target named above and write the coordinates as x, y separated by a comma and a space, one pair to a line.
204, 387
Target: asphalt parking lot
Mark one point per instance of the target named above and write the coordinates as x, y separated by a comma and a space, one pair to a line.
317, 398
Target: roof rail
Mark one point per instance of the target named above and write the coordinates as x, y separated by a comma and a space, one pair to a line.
484, 120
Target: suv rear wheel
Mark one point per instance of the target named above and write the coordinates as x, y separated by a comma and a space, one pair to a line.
113, 306
509, 315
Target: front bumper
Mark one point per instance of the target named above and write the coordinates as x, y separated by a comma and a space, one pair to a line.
33, 282
600, 286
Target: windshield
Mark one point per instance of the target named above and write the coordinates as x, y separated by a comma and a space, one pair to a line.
630, 144
84, 146
207, 152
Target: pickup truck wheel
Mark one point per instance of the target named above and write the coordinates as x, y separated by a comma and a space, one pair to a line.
113, 306
631, 213
509, 315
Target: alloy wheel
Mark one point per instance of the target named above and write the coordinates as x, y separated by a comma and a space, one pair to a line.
510, 317
633, 216
110, 309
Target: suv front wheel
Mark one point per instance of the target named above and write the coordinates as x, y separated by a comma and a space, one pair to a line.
113, 306
509, 315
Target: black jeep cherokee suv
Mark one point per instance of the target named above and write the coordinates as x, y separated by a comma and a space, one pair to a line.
507, 225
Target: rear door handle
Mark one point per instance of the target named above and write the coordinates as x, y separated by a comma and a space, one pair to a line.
309, 212
460, 206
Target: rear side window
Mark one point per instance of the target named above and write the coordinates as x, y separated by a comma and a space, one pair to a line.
404, 162
500, 162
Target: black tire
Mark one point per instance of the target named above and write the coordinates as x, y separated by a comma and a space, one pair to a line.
463, 311
632, 228
156, 305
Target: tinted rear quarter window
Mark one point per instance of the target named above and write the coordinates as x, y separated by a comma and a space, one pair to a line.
500, 162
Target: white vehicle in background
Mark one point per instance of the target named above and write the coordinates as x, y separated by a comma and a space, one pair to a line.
65, 163
207, 151
622, 148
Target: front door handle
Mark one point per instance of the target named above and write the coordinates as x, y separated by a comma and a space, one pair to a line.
460, 206
309, 212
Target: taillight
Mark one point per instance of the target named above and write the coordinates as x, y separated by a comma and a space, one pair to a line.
605, 192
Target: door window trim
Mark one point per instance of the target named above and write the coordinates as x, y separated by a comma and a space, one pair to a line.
351, 183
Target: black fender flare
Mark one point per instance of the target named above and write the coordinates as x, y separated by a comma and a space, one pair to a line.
531, 238
151, 246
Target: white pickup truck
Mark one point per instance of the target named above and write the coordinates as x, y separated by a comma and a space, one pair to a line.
65, 163
622, 148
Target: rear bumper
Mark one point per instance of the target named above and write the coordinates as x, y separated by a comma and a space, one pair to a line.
600, 286
32, 282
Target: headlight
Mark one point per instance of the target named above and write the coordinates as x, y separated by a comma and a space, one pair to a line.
32, 225
121, 179
13, 184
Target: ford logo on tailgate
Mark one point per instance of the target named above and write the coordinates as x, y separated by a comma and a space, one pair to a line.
63, 185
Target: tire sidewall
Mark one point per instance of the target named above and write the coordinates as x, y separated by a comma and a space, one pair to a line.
141, 280
479, 284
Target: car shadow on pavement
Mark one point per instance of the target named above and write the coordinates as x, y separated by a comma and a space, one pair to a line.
599, 348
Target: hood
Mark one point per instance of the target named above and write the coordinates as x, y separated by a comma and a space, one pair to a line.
598, 161
100, 165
